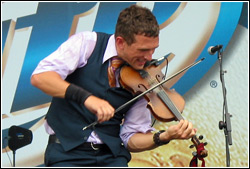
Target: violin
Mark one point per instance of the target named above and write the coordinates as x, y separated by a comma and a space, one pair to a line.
162, 102
165, 104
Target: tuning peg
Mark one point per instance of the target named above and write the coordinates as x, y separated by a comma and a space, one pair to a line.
200, 137
191, 146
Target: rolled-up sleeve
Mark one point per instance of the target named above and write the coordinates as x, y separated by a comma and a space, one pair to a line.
72, 54
137, 120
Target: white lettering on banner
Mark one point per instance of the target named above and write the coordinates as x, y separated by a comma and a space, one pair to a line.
87, 19
16, 10
14, 66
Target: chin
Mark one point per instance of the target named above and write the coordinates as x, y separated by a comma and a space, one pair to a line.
139, 67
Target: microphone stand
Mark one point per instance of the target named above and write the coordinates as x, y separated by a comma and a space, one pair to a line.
14, 158
226, 123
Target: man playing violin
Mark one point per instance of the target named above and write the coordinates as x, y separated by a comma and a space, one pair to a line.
76, 75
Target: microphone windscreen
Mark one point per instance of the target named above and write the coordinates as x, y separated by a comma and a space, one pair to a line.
19, 137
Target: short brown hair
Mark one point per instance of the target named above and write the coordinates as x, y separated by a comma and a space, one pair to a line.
136, 20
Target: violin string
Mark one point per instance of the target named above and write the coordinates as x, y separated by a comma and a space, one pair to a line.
161, 93
152, 82
170, 105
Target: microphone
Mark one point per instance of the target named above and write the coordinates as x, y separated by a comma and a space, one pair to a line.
158, 61
19, 137
213, 49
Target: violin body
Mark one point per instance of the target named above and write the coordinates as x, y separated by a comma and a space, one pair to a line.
138, 81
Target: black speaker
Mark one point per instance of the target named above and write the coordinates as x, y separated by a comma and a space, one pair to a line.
19, 137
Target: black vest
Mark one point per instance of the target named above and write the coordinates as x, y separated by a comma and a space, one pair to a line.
67, 118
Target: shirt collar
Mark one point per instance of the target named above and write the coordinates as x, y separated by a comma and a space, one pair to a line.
110, 50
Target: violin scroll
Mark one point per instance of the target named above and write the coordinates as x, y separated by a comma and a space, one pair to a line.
200, 150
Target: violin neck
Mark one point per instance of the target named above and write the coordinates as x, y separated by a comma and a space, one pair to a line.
167, 101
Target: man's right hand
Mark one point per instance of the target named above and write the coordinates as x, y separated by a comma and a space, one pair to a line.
101, 108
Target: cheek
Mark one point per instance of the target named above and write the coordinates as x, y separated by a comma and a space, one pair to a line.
130, 54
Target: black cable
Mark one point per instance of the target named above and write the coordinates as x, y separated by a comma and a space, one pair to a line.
6, 138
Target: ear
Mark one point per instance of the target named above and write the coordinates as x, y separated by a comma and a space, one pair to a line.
120, 42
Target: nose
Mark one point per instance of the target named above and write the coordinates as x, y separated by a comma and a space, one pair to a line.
149, 55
